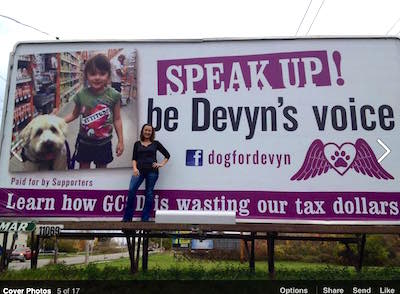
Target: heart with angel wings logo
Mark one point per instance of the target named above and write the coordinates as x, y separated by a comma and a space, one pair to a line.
321, 158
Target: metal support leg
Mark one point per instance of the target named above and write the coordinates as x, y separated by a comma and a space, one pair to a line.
138, 253
4, 261
35, 251
32, 248
361, 247
271, 253
131, 252
145, 257
131, 242
252, 262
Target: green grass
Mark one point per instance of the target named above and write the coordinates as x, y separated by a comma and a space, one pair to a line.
165, 260
165, 267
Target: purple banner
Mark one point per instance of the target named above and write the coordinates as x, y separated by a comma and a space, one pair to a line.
262, 205
273, 71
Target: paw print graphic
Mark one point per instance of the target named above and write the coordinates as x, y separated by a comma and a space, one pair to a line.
340, 158
358, 157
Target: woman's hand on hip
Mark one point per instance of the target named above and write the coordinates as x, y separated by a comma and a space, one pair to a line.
136, 172
157, 165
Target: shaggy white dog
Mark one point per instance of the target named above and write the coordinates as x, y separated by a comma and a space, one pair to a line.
44, 143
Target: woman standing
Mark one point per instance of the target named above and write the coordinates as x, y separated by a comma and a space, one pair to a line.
145, 167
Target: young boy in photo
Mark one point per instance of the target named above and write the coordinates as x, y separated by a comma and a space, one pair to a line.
99, 109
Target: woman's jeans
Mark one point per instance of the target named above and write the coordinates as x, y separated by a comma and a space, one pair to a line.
151, 179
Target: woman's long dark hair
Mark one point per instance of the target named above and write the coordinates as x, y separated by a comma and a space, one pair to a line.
153, 133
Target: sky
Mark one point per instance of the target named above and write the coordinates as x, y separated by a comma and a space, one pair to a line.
178, 19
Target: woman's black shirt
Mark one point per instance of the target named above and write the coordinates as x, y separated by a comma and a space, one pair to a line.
145, 156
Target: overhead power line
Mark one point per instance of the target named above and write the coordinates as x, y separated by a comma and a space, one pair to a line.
391, 28
304, 16
315, 17
26, 25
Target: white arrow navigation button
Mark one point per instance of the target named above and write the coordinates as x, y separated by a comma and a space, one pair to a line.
387, 150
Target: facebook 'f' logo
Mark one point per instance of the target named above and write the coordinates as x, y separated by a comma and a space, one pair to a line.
194, 157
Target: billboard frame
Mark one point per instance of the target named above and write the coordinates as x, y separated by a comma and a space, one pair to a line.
386, 227
270, 228
138, 234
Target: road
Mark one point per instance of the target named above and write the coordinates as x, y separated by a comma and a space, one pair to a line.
16, 265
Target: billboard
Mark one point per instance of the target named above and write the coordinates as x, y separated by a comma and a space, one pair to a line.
287, 131
181, 243
197, 244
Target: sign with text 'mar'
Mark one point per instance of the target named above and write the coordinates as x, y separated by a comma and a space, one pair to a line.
292, 131
17, 226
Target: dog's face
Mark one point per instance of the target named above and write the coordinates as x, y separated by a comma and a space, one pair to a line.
44, 136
